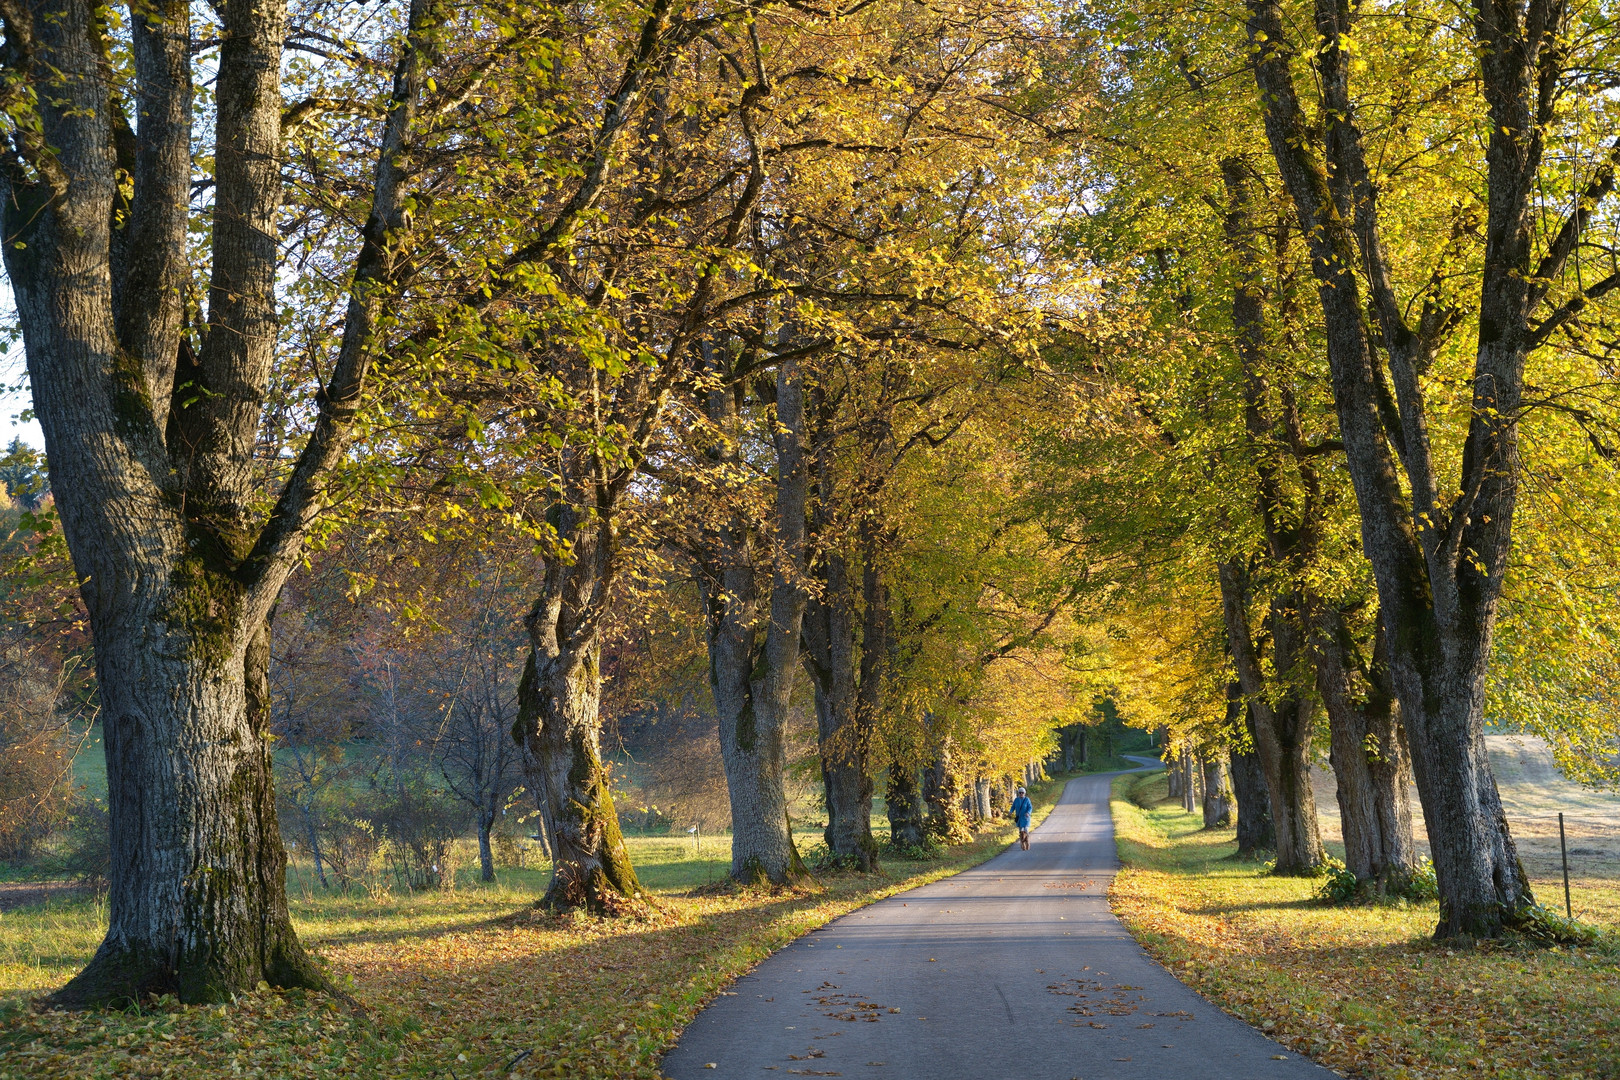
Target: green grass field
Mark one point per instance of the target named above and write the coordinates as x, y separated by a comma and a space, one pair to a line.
1363, 990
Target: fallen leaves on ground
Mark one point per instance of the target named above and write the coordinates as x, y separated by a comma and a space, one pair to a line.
467, 984
1363, 990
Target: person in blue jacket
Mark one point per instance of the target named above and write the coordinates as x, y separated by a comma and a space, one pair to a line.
1021, 809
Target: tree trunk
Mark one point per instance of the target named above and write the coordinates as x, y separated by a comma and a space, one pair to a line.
541, 838
310, 826
1255, 832
486, 854
982, 810
753, 711
1282, 728
196, 898
844, 738
943, 793
1217, 792
1189, 780
158, 488
1439, 563
1369, 758
558, 711
907, 827
1174, 778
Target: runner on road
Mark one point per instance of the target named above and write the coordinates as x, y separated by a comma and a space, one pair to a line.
1021, 809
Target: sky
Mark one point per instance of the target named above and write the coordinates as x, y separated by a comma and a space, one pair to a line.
14, 384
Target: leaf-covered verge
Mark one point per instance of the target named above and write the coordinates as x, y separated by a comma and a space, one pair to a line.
453, 983
1362, 990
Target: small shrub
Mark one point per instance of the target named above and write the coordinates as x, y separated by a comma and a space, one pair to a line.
422, 827
1422, 886
1546, 927
1339, 885
930, 848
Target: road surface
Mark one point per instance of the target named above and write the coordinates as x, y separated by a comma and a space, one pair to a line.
1015, 969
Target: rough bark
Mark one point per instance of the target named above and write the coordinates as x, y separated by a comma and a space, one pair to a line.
1369, 758
1217, 792
157, 500
831, 658
1255, 832
942, 792
559, 718
1283, 723
1371, 795
1439, 564
751, 673
907, 811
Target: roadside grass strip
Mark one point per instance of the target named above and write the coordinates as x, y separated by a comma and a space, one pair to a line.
1363, 990
454, 983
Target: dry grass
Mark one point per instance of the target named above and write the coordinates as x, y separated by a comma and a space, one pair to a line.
1362, 990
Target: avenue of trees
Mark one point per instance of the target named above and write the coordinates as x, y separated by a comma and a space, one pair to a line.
470, 377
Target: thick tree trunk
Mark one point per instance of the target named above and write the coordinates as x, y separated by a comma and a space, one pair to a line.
753, 711
942, 792
1255, 832
1369, 757
1217, 792
1282, 727
907, 826
197, 903
1439, 563
559, 700
1174, 778
158, 505
829, 636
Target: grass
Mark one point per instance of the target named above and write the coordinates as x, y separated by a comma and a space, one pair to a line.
1363, 990
455, 983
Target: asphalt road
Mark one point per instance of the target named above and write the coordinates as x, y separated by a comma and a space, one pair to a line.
1014, 969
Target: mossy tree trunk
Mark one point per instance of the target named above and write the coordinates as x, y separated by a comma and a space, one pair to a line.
151, 429
559, 723
907, 812
942, 793
752, 669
